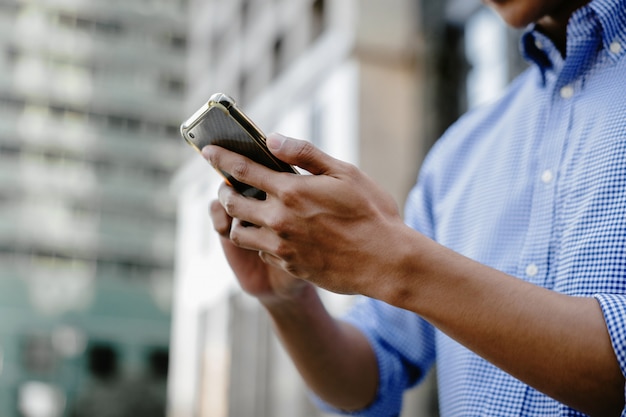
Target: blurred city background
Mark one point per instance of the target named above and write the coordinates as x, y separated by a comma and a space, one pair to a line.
114, 297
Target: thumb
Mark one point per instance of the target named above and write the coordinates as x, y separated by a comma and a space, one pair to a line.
300, 153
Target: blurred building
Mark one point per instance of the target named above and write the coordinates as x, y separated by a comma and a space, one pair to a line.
372, 82
91, 96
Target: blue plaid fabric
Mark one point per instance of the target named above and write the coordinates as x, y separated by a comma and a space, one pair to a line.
535, 186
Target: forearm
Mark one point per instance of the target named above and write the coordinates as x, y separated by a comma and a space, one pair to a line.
334, 358
555, 343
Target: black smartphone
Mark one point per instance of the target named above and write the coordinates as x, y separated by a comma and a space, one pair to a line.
220, 122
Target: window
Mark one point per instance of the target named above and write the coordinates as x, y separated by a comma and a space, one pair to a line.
38, 355
103, 361
110, 27
173, 85
175, 41
107, 27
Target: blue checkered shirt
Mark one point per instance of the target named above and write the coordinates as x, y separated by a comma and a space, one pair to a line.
535, 186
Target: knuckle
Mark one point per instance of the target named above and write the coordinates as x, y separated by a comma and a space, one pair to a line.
235, 236
279, 226
285, 252
240, 170
305, 151
275, 223
290, 194
229, 206
230, 201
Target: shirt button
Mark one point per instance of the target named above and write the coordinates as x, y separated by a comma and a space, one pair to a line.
547, 176
616, 47
567, 92
532, 270
538, 44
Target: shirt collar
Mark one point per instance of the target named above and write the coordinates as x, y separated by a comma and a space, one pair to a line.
612, 17
606, 18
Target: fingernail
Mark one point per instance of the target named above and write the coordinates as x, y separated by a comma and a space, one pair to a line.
275, 141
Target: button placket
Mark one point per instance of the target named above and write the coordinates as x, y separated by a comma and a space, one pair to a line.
534, 261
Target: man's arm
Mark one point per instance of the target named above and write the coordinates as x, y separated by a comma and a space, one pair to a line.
333, 357
555, 343
339, 230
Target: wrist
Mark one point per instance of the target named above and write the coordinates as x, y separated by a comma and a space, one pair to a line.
410, 268
301, 310
287, 299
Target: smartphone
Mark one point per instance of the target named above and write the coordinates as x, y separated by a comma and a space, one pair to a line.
220, 122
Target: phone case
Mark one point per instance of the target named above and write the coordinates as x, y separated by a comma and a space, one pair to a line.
220, 122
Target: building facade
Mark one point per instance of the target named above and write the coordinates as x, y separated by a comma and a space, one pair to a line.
91, 95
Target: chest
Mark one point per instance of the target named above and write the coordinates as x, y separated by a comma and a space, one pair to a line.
540, 192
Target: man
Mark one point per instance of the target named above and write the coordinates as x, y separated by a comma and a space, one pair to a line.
511, 268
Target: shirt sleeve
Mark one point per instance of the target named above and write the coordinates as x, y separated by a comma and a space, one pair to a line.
404, 348
614, 310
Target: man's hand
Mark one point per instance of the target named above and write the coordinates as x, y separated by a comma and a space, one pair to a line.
334, 358
256, 277
335, 228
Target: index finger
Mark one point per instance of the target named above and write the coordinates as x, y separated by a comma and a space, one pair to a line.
234, 166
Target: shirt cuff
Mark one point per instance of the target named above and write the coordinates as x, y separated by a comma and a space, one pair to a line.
614, 311
388, 401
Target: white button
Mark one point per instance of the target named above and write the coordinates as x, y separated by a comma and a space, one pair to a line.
532, 270
567, 92
547, 176
538, 44
616, 47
